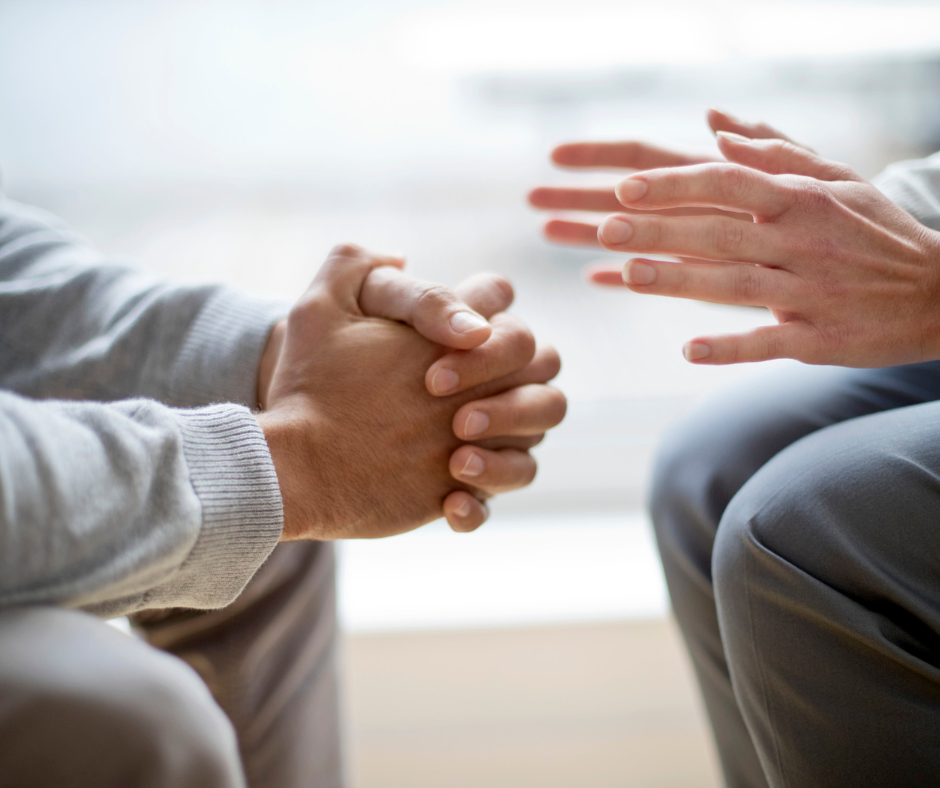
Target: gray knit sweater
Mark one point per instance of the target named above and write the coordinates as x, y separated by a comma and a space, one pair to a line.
132, 472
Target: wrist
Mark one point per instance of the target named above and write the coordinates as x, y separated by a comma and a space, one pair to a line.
296, 479
269, 359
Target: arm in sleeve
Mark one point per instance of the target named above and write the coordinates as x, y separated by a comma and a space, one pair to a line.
915, 186
114, 508
75, 326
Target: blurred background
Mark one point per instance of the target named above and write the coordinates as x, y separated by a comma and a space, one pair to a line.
239, 140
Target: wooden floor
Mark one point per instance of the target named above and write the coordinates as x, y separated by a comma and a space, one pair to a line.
592, 706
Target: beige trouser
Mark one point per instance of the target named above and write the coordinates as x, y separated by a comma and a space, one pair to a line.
82, 704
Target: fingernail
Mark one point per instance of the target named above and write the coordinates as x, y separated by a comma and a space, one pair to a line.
445, 381
631, 189
637, 273
740, 139
696, 351
473, 466
464, 322
464, 509
476, 423
616, 230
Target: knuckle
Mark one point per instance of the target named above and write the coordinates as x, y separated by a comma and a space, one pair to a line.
503, 287
648, 232
519, 340
731, 181
727, 237
530, 469
552, 360
747, 284
346, 250
815, 196
431, 296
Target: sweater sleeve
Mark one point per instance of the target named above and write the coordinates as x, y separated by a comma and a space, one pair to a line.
915, 186
74, 325
114, 508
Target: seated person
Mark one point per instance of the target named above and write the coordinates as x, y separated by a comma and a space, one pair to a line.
797, 516
187, 455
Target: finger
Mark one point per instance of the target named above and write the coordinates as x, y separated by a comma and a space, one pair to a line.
564, 232
781, 157
508, 350
729, 186
543, 367
719, 283
762, 344
492, 471
708, 238
605, 274
345, 271
630, 155
723, 121
521, 442
433, 310
524, 410
487, 293
464, 513
557, 198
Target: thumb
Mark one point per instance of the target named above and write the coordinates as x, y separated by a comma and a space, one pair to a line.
345, 270
434, 311
781, 157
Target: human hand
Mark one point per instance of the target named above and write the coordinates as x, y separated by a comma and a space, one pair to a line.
629, 155
357, 459
851, 278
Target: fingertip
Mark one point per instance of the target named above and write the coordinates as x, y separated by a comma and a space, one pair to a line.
536, 197
464, 513
562, 154
697, 351
605, 274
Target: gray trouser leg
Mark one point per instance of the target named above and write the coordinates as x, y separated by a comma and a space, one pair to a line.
82, 705
827, 578
705, 460
270, 660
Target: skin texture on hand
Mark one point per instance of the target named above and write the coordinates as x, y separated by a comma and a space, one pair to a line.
850, 278
362, 448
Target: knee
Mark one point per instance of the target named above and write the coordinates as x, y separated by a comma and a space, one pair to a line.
116, 713
700, 463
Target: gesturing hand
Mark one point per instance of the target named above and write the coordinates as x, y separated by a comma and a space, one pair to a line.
361, 446
627, 155
852, 279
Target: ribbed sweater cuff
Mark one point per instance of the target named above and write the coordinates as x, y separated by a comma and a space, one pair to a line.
242, 514
218, 361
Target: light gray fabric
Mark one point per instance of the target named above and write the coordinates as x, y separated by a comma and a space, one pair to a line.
116, 506
270, 660
797, 518
915, 186
84, 705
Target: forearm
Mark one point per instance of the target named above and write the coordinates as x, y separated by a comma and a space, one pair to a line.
75, 326
116, 508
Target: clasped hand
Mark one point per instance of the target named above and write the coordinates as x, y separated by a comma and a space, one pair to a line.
387, 401
850, 277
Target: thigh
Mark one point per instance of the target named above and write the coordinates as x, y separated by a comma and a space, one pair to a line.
84, 705
827, 579
710, 453
270, 660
